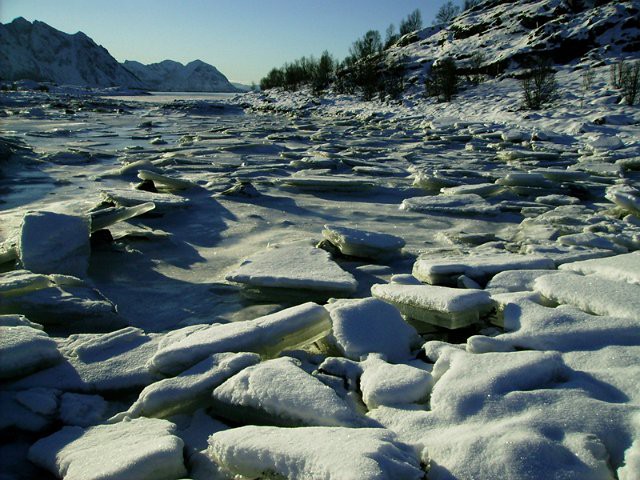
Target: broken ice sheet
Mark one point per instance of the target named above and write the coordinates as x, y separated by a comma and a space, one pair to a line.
592, 294
384, 383
620, 267
441, 306
280, 392
189, 390
24, 350
141, 449
267, 335
58, 300
360, 327
55, 243
531, 326
361, 243
462, 204
164, 202
315, 452
298, 266
440, 270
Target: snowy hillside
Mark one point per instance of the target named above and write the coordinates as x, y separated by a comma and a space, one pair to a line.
508, 33
37, 51
170, 76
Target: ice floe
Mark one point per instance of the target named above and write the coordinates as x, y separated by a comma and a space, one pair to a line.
361, 243
315, 452
142, 449
441, 306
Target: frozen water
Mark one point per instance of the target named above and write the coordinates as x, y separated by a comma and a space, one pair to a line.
55, 243
383, 383
315, 452
618, 268
279, 392
441, 306
480, 267
267, 335
360, 327
141, 449
463, 204
189, 390
360, 243
24, 350
295, 267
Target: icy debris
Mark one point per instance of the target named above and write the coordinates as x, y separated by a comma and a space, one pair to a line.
515, 179
164, 202
189, 390
167, 182
442, 306
625, 197
592, 240
267, 335
482, 189
442, 270
24, 350
531, 326
315, 452
241, 189
99, 363
405, 279
280, 392
465, 204
31, 410
332, 183
604, 143
107, 217
561, 175
618, 268
385, 384
55, 243
141, 449
515, 136
56, 299
361, 243
592, 293
557, 200
18, 321
81, 410
514, 281
366, 326
295, 267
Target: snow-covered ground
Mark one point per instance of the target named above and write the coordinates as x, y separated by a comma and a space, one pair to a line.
184, 327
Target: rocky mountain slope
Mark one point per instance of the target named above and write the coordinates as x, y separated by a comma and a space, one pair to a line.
36, 51
509, 33
171, 76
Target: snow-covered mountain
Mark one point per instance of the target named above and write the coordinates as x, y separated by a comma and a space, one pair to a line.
171, 76
36, 51
509, 33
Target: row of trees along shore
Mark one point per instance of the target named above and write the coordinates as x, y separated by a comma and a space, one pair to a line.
369, 70
365, 69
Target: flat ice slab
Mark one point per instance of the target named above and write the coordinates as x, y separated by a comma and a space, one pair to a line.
55, 243
625, 197
141, 449
592, 294
267, 335
315, 452
441, 306
329, 183
368, 326
24, 350
383, 383
464, 204
361, 243
621, 267
164, 202
294, 266
481, 267
189, 390
279, 392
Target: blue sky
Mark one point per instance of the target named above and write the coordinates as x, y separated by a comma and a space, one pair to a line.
244, 39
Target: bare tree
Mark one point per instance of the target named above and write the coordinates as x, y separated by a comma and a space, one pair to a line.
412, 23
539, 85
446, 14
